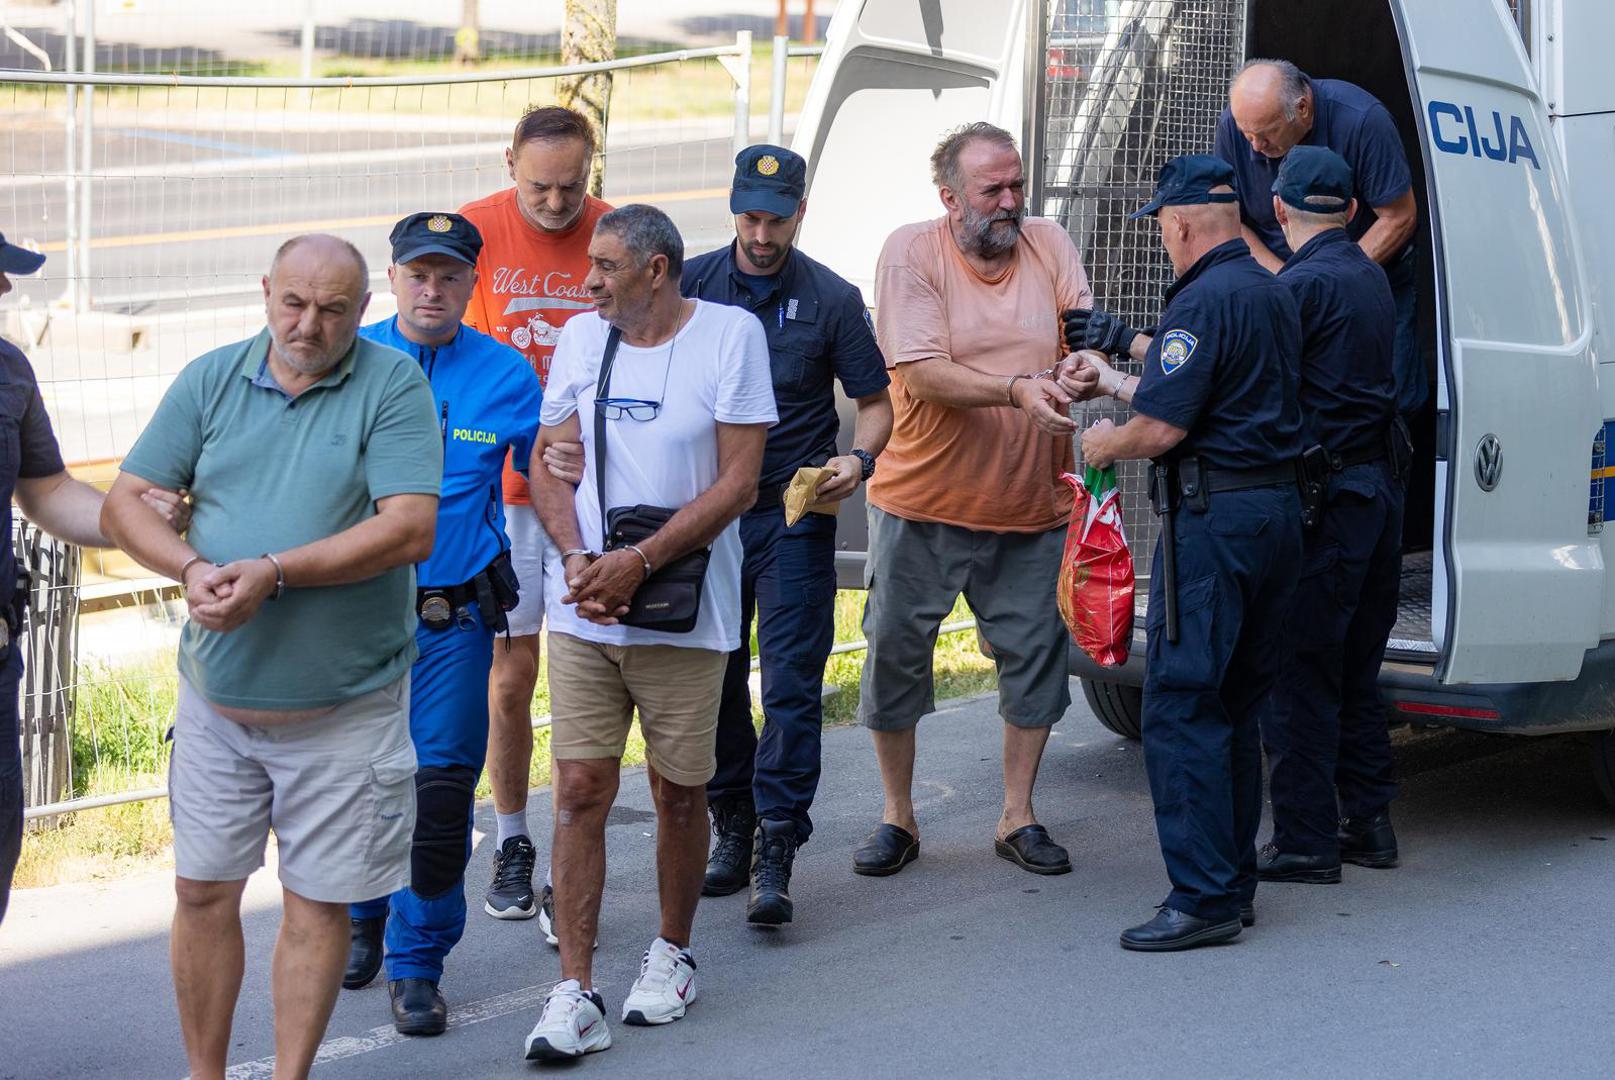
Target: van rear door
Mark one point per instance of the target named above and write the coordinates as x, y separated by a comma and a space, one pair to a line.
1518, 399
894, 77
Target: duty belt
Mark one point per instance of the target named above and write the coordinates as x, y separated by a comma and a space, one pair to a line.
1213, 480
769, 497
1365, 456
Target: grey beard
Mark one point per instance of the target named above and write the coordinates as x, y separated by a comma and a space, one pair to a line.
981, 237
323, 367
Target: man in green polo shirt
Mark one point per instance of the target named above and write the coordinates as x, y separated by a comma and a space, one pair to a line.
315, 459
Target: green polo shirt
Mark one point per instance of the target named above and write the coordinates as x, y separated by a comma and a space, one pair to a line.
268, 472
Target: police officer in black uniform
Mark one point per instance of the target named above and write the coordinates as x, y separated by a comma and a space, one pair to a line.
818, 332
31, 470
1326, 729
1216, 410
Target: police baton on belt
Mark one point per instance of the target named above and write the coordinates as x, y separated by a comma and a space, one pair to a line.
1161, 503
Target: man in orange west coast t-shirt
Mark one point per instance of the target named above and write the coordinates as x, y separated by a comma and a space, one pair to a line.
968, 498
535, 255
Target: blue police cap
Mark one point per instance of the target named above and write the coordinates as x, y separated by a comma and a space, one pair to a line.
1188, 180
770, 179
1314, 178
18, 260
430, 233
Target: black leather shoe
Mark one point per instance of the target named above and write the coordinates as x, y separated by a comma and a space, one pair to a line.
1275, 865
418, 1009
1172, 930
1030, 848
1369, 841
771, 873
885, 851
364, 952
1247, 913
729, 866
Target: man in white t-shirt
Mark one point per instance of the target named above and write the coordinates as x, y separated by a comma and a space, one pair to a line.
686, 412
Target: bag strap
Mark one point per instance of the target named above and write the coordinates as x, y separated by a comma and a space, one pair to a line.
602, 389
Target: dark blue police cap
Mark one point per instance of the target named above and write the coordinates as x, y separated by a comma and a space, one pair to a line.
770, 179
18, 260
1187, 180
430, 233
1314, 178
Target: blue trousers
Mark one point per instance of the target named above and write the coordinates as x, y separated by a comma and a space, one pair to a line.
448, 723
788, 575
10, 773
1407, 359
1237, 565
1325, 730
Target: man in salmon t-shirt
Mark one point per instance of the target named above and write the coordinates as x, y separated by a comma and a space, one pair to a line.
535, 255
968, 498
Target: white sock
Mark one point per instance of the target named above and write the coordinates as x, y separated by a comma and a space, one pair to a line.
510, 825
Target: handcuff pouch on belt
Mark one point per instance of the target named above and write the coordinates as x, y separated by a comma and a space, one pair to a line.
12, 620
494, 588
1312, 475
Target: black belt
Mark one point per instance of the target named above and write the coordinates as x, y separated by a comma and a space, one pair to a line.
770, 497
458, 595
1217, 480
1365, 456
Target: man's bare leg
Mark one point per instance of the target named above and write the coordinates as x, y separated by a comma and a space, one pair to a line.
510, 721
207, 955
681, 853
1023, 753
584, 790
894, 750
310, 955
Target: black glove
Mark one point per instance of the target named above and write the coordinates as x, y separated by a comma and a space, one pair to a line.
1097, 329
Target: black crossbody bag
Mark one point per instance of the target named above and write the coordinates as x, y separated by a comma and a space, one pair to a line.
670, 599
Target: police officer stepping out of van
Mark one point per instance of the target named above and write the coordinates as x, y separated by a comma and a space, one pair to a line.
818, 332
1216, 410
1325, 730
487, 399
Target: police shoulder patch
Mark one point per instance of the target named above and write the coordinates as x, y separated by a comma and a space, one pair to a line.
1176, 348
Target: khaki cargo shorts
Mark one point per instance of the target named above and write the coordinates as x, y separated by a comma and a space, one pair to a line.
594, 690
338, 790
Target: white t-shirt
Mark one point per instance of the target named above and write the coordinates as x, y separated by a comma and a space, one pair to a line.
715, 369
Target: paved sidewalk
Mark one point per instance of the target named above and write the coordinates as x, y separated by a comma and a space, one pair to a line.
1484, 956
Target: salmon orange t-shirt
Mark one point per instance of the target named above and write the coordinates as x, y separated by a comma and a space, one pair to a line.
989, 469
529, 282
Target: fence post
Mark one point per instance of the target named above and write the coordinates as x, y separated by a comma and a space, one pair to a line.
49, 641
742, 75
306, 42
87, 158
776, 91
70, 31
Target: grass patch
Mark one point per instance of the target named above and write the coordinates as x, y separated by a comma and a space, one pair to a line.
123, 715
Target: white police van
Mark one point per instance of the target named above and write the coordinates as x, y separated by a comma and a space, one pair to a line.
1507, 109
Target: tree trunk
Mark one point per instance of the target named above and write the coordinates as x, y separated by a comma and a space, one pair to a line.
467, 40
589, 37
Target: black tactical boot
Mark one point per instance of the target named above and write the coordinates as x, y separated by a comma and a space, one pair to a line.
1369, 841
733, 820
771, 873
418, 1008
364, 951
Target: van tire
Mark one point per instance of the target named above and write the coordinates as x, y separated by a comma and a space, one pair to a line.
1118, 706
1603, 755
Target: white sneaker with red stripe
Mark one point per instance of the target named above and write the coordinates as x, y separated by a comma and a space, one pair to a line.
665, 987
572, 1024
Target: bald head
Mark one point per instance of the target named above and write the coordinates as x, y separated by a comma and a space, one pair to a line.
1188, 232
1271, 102
314, 296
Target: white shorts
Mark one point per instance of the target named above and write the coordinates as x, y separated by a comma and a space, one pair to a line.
529, 545
338, 790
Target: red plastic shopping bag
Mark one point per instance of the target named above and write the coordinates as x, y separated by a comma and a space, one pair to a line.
1096, 575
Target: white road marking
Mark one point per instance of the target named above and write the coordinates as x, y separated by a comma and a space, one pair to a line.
380, 1038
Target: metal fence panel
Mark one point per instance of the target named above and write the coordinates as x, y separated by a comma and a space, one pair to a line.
1128, 86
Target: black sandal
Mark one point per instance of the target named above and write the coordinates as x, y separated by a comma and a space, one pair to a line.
885, 851
1030, 848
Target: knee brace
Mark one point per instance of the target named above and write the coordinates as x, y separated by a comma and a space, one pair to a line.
438, 853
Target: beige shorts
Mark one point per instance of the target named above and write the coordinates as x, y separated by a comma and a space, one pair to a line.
339, 791
594, 690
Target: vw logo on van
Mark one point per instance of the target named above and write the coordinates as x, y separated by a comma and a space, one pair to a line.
1488, 462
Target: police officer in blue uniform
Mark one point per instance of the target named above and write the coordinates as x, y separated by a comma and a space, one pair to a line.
1326, 729
1216, 410
488, 403
818, 331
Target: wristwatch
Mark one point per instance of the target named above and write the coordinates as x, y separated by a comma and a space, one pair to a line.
869, 462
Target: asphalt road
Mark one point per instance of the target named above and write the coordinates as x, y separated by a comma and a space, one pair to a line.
1485, 955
